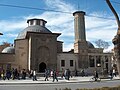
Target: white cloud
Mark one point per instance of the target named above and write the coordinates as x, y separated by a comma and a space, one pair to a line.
11, 35
67, 46
60, 5
100, 28
9, 26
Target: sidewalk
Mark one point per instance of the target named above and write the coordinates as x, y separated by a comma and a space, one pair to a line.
60, 80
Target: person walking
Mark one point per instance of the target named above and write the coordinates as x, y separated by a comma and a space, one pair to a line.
8, 74
55, 76
68, 74
83, 72
111, 74
34, 76
3, 74
114, 72
31, 74
46, 75
96, 76
23, 74
62, 73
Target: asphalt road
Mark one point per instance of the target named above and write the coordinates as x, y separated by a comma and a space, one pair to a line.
59, 86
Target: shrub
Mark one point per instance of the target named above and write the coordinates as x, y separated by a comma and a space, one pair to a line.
103, 88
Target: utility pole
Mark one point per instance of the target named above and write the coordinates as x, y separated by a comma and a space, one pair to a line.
116, 39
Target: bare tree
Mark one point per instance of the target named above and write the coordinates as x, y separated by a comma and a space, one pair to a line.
114, 12
4, 45
116, 40
102, 44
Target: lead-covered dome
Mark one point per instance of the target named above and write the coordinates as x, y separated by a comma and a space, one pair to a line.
90, 45
9, 50
34, 25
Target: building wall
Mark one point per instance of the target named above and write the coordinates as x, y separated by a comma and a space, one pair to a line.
67, 57
104, 64
90, 70
6, 59
43, 50
59, 47
21, 53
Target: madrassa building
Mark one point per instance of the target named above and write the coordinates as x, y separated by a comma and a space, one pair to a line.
36, 47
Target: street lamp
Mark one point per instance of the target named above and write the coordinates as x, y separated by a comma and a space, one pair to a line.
1, 34
98, 65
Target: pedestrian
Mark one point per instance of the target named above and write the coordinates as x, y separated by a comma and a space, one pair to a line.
96, 75
31, 74
16, 73
51, 73
114, 72
46, 75
111, 74
83, 73
76, 73
62, 74
13, 73
3, 74
55, 76
23, 74
67, 75
34, 75
8, 74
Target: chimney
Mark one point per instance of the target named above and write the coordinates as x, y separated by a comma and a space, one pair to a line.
35, 21
79, 26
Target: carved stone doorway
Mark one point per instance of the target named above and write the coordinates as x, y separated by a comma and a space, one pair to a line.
42, 67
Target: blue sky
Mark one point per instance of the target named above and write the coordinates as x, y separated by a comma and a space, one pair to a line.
13, 19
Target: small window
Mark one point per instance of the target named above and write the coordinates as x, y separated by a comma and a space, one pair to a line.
98, 61
62, 63
92, 61
37, 22
31, 22
71, 63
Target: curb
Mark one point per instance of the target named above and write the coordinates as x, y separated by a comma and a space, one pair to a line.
61, 82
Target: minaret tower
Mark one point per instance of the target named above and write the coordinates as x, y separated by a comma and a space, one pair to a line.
80, 44
79, 26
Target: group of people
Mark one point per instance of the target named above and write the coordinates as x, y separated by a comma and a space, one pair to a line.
22, 74
17, 74
51, 73
66, 73
12, 74
112, 73
54, 74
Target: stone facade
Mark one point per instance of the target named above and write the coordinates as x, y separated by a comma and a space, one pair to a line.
36, 47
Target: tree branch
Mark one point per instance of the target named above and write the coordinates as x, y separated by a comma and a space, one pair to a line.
114, 12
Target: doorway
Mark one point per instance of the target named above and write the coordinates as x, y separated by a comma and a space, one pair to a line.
42, 67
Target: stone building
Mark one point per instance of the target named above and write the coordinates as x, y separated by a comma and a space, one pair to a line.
36, 47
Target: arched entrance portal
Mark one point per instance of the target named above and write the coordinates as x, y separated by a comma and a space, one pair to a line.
42, 67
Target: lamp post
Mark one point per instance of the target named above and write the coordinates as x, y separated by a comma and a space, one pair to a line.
98, 67
1, 34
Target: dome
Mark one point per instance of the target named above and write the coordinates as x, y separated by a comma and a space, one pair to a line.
35, 28
8, 50
90, 45
34, 25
